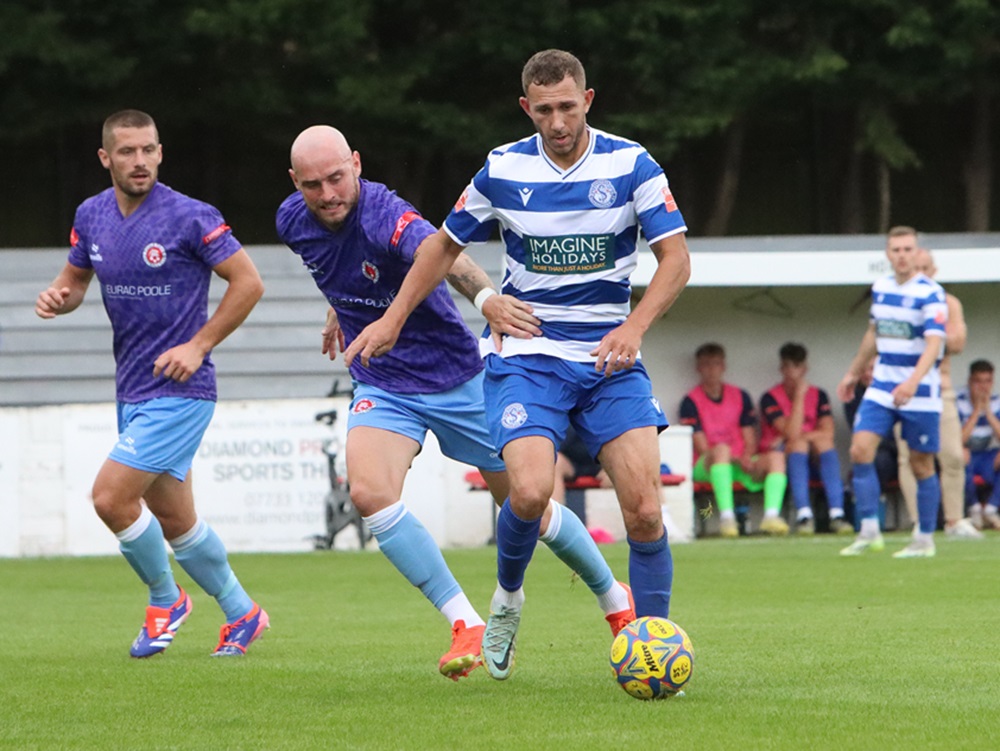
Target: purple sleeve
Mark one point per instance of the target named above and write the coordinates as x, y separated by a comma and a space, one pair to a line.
215, 238
78, 255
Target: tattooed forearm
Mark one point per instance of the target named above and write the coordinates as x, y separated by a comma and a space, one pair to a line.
466, 277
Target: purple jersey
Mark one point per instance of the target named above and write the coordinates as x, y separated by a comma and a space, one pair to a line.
154, 268
360, 268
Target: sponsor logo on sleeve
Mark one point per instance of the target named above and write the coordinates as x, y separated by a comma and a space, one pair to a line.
460, 203
401, 224
668, 200
74, 238
215, 234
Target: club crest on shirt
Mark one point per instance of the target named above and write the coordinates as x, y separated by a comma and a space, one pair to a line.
363, 405
155, 255
514, 415
370, 270
602, 194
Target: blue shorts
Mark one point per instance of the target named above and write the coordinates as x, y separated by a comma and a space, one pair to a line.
981, 463
456, 417
540, 395
161, 435
920, 430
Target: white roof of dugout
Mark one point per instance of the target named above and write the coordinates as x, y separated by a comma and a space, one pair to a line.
825, 260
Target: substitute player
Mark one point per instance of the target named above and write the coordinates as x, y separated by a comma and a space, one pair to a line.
153, 251
907, 332
569, 202
797, 424
358, 240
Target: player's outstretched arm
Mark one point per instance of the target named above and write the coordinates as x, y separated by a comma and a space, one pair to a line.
618, 349
242, 293
433, 259
505, 313
65, 293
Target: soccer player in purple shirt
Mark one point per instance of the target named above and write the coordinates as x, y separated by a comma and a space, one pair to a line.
357, 238
153, 251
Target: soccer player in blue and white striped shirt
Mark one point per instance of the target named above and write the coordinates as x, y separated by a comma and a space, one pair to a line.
907, 332
569, 202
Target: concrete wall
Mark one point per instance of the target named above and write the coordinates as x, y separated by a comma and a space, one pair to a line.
260, 478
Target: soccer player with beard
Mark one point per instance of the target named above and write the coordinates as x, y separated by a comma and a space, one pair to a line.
569, 201
153, 251
358, 240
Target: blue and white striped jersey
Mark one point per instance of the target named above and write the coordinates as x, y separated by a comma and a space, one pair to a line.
903, 315
982, 438
571, 235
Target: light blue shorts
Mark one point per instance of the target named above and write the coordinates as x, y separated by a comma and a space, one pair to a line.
920, 430
540, 395
456, 417
161, 435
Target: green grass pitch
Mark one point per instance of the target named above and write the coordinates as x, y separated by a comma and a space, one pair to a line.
795, 648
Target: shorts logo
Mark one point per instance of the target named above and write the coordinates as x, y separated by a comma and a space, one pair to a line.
128, 445
656, 405
155, 255
514, 415
370, 270
363, 405
602, 194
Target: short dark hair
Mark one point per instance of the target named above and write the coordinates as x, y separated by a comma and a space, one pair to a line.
792, 352
549, 67
125, 119
710, 349
980, 366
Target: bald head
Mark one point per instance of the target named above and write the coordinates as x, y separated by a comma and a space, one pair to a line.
319, 141
923, 262
326, 172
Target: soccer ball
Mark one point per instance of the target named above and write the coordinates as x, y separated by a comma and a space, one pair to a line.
652, 658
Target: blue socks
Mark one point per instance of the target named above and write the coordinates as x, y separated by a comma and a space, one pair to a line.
142, 545
571, 542
928, 501
651, 574
866, 491
798, 480
516, 540
200, 552
411, 549
829, 472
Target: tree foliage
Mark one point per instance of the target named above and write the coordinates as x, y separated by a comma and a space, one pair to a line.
424, 89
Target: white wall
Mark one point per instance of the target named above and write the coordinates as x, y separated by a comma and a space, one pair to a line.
752, 330
260, 478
